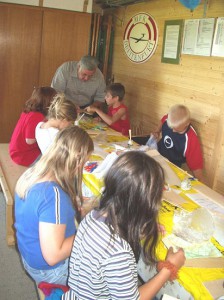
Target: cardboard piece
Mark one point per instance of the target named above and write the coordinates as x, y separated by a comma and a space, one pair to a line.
170, 177
212, 262
211, 194
215, 287
173, 198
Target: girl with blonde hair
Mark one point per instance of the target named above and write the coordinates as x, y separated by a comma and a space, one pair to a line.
62, 113
46, 205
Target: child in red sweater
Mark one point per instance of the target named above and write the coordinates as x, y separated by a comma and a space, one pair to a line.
23, 147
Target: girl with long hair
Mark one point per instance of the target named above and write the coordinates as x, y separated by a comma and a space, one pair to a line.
47, 203
61, 114
23, 147
110, 239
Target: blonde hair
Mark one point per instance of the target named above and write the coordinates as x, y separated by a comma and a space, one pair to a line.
178, 115
62, 109
63, 161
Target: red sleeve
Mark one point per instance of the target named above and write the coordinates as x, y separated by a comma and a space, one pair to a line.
193, 153
34, 119
164, 118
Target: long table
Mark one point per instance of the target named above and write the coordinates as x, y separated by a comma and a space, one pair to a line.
202, 277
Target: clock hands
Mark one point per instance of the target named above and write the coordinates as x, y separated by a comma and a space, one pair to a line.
139, 39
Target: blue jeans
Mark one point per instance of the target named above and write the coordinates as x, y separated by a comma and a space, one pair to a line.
58, 275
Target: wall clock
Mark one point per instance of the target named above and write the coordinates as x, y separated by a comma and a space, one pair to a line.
140, 37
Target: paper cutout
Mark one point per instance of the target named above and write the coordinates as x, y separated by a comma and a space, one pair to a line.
191, 250
170, 177
215, 287
173, 198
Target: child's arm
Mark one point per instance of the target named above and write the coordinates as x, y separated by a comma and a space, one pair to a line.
30, 141
157, 131
54, 246
199, 174
151, 288
107, 119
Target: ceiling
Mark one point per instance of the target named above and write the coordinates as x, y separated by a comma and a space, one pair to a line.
116, 3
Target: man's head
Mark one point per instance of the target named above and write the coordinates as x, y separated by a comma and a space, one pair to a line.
87, 67
178, 118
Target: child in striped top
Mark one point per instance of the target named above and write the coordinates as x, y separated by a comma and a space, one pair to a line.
109, 240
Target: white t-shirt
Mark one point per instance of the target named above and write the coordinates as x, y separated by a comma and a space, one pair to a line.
45, 136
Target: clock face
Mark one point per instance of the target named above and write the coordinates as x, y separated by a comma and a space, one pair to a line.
140, 37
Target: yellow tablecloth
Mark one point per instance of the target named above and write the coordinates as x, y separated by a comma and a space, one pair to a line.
191, 278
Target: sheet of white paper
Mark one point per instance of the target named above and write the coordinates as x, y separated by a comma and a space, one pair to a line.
205, 202
103, 168
191, 250
219, 230
217, 212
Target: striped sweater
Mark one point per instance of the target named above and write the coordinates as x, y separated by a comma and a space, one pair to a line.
101, 267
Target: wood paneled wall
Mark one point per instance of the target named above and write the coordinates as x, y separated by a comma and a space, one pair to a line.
197, 82
20, 40
65, 37
33, 43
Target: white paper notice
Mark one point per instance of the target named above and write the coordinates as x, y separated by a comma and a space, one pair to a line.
198, 35
205, 202
171, 44
218, 41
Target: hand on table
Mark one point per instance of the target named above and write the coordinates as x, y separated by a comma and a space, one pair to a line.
161, 229
176, 258
97, 119
156, 135
78, 109
91, 109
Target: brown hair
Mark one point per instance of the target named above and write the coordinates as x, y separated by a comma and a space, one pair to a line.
40, 100
116, 90
131, 200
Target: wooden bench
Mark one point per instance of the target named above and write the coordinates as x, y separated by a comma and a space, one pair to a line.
9, 174
41, 295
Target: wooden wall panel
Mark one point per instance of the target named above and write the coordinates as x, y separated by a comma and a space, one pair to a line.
65, 37
20, 40
152, 87
33, 43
